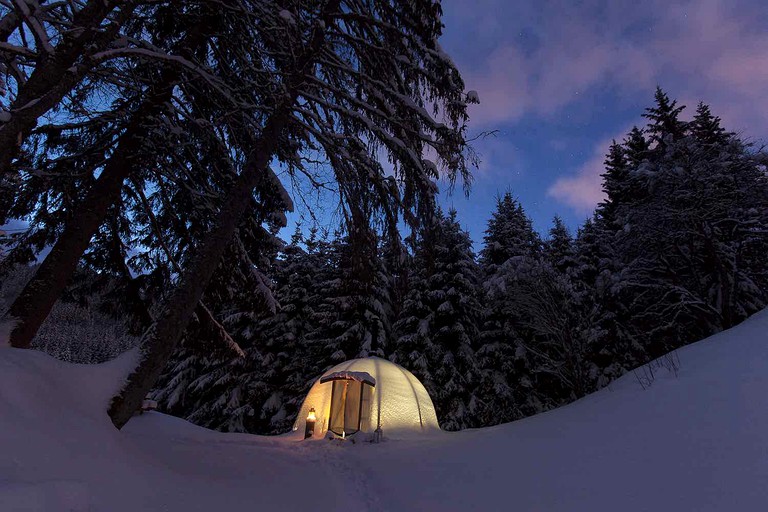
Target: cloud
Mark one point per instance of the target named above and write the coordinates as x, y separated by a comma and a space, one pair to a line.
503, 93
547, 56
582, 190
543, 59
717, 48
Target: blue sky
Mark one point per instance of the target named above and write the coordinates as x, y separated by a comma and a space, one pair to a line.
559, 79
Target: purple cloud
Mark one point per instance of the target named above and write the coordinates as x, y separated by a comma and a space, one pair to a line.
582, 190
537, 60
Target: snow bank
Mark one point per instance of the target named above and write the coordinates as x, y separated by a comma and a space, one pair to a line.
695, 441
61, 453
698, 441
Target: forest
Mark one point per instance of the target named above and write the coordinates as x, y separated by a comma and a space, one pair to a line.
151, 150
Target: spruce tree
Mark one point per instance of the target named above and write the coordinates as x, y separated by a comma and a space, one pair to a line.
348, 123
510, 244
664, 125
509, 233
438, 326
615, 182
558, 249
353, 308
686, 272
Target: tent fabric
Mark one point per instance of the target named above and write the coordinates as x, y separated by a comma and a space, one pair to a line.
399, 403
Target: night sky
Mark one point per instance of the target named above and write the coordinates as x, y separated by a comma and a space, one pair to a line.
559, 79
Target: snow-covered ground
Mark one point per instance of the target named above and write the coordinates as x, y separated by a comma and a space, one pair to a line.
695, 441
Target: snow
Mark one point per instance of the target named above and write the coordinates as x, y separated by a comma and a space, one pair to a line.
287, 16
347, 375
695, 441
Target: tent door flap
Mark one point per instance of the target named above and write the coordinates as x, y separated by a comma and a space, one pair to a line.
350, 406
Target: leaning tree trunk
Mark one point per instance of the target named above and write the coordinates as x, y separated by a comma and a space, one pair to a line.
34, 303
160, 340
222, 341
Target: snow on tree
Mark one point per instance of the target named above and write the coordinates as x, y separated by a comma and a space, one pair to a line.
346, 114
353, 308
558, 248
509, 241
438, 325
509, 233
677, 232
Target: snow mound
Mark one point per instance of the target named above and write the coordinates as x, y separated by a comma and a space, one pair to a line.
691, 439
60, 451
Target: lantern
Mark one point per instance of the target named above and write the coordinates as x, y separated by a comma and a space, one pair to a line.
309, 430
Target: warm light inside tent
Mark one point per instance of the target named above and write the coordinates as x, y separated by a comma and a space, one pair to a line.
311, 415
379, 395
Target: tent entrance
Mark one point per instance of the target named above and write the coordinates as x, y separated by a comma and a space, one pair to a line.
350, 406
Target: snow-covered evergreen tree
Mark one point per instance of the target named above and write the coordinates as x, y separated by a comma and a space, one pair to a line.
509, 233
352, 310
676, 234
438, 325
558, 248
510, 242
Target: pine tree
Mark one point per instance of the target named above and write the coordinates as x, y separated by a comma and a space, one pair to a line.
684, 272
76, 34
438, 326
509, 233
353, 307
347, 135
511, 244
636, 147
706, 127
131, 153
558, 249
664, 123
615, 182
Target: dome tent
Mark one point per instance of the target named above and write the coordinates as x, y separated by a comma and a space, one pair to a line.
365, 395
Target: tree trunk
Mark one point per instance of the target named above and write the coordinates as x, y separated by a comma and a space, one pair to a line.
160, 340
8, 24
34, 303
56, 75
223, 342
32, 306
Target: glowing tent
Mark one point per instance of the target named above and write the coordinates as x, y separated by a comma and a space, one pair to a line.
366, 395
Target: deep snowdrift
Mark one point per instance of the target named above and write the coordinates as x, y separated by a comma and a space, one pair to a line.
698, 441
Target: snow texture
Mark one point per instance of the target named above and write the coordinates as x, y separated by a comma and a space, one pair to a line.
695, 439
347, 375
287, 16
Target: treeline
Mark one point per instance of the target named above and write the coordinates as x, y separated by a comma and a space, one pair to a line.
676, 252
149, 142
